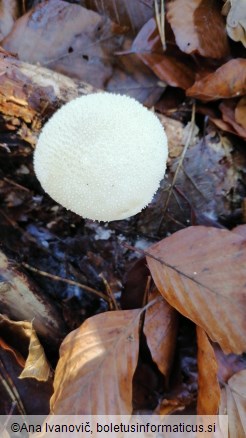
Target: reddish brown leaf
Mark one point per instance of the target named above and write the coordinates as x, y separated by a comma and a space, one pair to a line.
96, 366
168, 68
201, 272
81, 50
198, 27
160, 328
208, 384
227, 81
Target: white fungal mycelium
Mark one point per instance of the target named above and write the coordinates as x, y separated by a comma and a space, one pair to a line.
102, 156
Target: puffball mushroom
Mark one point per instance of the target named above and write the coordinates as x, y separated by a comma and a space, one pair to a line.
102, 156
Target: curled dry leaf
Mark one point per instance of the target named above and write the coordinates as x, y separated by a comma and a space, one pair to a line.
160, 329
227, 81
198, 27
236, 20
233, 404
200, 271
96, 366
36, 365
208, 385
232, 113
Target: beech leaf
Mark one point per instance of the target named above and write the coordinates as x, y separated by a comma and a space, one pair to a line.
35, 365
208, 385
229, 80
200, 271
84, 53
160, 329
169, 68
96, 366
198, 27
233, 404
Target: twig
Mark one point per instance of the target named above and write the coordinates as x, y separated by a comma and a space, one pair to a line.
15, 184
187, 143
113, 303
160, 21
66, 280
9, 386
147, 290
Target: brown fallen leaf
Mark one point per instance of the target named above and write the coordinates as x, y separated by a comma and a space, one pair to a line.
232, 113
233, 404
198, 27
160, 329
240, 229
236, 20
208, 385
200, 271
82, 50
96, 366
240, 112
36, 365
229, 80
171, 69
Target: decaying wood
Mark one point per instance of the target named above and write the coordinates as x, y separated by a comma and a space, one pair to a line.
21, 301
30, 94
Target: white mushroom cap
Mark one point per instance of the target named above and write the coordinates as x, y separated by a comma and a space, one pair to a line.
102, 156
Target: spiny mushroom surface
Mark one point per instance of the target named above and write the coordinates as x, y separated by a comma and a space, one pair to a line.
102, 156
